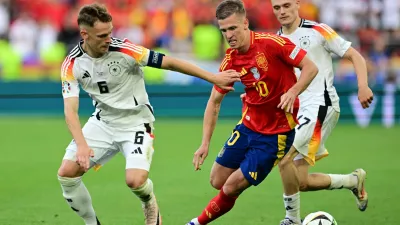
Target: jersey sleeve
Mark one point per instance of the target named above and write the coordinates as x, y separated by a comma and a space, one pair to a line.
332, 41
225, 65
69, 85
288, 51
141, 55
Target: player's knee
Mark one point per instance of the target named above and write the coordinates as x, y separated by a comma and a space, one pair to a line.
284, 163
136, 181
231, 190
215, 183
69, 171
303, 185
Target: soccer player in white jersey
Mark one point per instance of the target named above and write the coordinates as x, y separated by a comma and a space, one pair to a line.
319, 107
109, 70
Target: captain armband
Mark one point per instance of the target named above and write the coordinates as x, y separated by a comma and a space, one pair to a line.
155, 59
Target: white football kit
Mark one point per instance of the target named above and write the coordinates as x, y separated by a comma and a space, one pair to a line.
123, 116
319, 103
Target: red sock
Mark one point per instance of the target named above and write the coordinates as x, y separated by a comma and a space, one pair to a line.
217, 207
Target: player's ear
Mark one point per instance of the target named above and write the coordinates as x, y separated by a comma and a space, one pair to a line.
246, 24
84, 33
298, 4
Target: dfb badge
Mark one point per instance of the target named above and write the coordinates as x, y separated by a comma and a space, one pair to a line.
255, 72
305, 42
114, 68
262, 61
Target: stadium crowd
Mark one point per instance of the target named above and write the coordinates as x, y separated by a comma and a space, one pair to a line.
36, 35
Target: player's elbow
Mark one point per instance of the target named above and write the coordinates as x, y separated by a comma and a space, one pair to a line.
314, 70
70, 114
353, 55
311, 68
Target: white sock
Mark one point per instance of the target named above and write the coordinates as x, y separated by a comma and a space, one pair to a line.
339, 181
292, 206
194, 221
78, 198
145, 192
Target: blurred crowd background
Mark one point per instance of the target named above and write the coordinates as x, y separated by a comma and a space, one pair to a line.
36, 35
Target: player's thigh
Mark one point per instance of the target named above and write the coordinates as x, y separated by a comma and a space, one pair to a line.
265, 151
309, 132
328, 126
312, 145
219, 174
234, 150
136, 144
99, 139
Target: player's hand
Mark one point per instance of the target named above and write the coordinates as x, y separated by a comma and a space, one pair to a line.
365, 96
287, 101
199, 156
83, 155
225, 79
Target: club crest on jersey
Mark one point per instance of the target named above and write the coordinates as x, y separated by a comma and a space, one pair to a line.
114, 68
262, 61
305, 42
66, 87
255, 72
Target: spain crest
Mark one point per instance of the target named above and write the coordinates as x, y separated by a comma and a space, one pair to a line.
262, 61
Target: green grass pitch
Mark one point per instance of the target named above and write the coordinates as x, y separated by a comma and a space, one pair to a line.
32, 149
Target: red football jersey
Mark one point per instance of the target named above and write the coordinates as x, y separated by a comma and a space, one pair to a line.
267, 70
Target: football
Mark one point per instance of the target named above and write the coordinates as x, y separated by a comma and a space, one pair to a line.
319, 218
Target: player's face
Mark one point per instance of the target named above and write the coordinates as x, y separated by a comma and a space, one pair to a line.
286, 11
98, 37
234, 30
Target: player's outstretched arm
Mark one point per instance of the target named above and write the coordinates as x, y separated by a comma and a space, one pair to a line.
210, 120
223, 80
308, 72
365, 95
71, 106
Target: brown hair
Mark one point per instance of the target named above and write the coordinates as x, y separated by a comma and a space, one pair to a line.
230, 7
90, 14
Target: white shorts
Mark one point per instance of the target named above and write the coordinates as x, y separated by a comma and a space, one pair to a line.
136, 144
315, 125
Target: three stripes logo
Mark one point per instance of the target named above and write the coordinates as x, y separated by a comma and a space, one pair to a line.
86, 75
137, 151
253, 175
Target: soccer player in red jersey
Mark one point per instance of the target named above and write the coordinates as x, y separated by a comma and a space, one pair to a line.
264, 135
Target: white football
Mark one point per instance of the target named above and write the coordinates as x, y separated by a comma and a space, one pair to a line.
319, 218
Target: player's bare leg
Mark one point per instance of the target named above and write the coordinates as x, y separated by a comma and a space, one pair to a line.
313, 181
290, 180
137, 180
224, 201
75, 192
318, 181
219, 175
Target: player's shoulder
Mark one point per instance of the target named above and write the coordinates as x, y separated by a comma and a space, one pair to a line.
308, 24
321, 28
266, 38
229, 52
226, 62
125, 47
75, 53
70, 59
